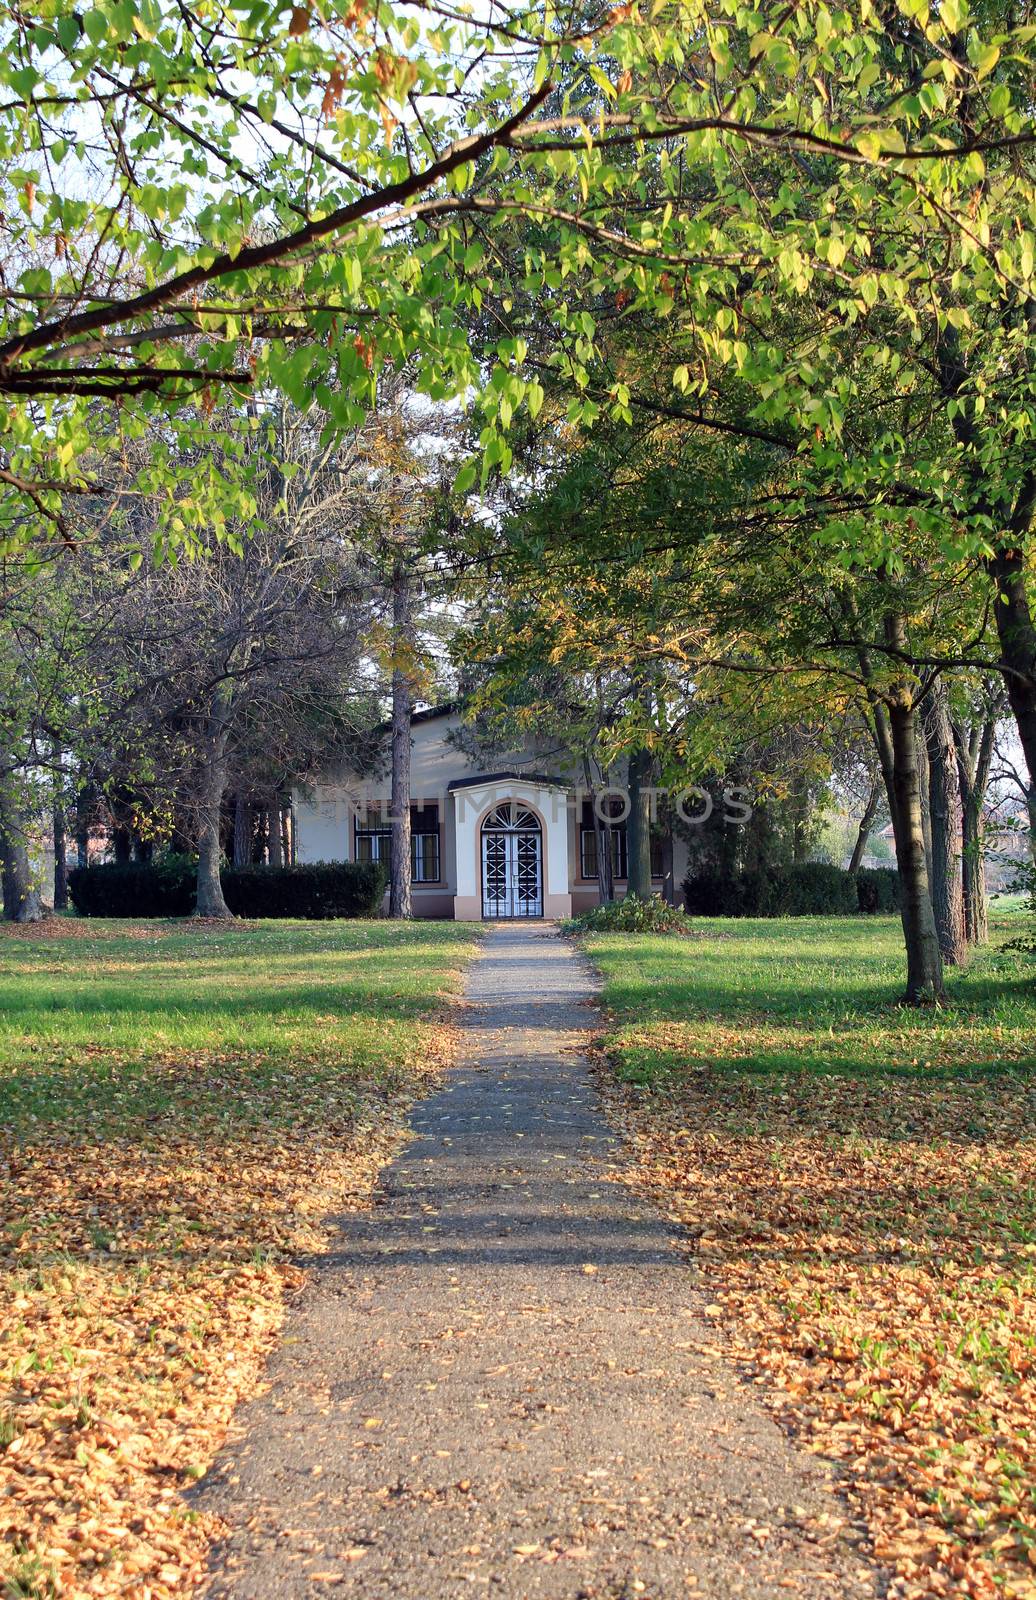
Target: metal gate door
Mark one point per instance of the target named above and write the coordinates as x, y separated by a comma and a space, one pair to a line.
512, 864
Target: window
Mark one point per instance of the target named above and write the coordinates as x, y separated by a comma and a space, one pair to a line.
588, 847
588, 851
424, 844
374, 841
373, 836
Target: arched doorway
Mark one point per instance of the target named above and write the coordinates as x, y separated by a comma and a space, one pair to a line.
512, 862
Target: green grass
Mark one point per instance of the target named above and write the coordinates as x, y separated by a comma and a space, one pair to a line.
99, 1023
810, 994
858, 1183
182, 1109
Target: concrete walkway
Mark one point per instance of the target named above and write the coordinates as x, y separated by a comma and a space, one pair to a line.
495, 1384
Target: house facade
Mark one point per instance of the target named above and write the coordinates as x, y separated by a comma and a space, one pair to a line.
517, 841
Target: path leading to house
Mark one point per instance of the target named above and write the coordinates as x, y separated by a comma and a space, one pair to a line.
497, 1383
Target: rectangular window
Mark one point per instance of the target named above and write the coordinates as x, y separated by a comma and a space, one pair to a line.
373, 836
588, 848
374, 841
424, 844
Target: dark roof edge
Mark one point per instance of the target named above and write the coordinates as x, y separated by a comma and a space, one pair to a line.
429, 714
540, 778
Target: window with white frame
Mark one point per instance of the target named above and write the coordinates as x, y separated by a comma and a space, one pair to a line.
374, 840
588, 846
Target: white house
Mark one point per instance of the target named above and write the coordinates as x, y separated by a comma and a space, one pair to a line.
513, 842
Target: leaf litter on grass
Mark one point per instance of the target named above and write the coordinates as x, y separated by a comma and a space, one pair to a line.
870, 1247
151, 1216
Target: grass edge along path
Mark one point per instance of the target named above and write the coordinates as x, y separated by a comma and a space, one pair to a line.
181, 1109
859, 1187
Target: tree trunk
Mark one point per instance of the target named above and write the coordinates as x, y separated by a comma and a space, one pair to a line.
638, 825
257, 836
881, 733
213, 783
60, 858
21, 894
924, 962
276, 837
84, 807
943, 807
863, 832
122, 845
924, 780
973, 863
974, 761
800, 823
242, 831
400, 899
1017, 635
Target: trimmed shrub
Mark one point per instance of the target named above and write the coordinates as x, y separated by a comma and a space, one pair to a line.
817, 889
167, 888
319, 890
631, 915
164, 888
811, 889
877, 889
718, 894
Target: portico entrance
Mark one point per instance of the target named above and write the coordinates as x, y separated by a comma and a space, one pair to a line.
512, 863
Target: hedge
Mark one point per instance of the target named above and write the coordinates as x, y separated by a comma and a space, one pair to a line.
323, 889
811, 889
878, 888
163, 888
167, 889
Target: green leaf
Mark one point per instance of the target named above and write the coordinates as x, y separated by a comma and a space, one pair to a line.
466, 477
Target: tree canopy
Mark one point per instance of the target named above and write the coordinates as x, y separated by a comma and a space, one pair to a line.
278, 197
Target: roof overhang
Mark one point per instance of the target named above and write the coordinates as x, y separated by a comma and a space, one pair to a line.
485, 780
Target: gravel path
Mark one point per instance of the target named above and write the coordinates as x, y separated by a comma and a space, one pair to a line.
496, 1382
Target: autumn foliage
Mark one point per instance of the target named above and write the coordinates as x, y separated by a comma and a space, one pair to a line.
864, 1236
154, 1193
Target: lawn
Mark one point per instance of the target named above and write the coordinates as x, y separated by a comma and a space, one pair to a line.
181, 1107
858, 1181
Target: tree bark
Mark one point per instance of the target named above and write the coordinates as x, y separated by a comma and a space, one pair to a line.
60, 858
276, 836
22, 902
943, 808
800, 821
924, 779
924, 962
400, 897
84, 806
881, 733
1014, 623
213, 783
863, 832
1017, 636
974, 761
638, 825
242, 831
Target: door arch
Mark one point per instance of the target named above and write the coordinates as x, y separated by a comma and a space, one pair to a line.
512, 862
